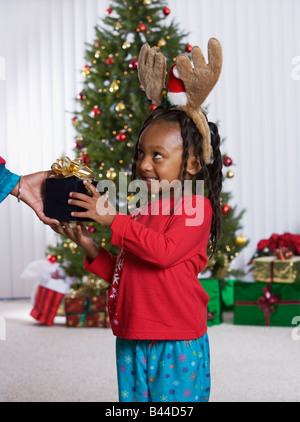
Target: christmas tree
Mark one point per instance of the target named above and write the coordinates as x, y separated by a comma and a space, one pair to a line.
113, 107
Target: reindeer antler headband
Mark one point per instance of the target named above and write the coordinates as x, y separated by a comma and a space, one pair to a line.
187, 86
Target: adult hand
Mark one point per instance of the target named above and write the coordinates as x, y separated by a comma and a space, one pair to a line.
32, 193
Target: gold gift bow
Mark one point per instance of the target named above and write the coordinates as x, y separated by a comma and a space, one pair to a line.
67, 168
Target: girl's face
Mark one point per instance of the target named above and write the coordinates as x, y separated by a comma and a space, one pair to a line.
160, 156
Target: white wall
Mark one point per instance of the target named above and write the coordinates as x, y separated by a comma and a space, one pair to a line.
257, 102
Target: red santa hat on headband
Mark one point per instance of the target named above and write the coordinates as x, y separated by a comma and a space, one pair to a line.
176, 89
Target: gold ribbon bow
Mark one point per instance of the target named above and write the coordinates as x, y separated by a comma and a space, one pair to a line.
67, 168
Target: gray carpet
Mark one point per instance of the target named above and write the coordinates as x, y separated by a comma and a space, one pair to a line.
49, 364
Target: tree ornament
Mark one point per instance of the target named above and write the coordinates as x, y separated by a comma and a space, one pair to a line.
75, 121
225, 209
227, 161
126, 45
166, 11
108, 11
147, 2
133, 64
78, 145
91, 229
142, 27
51, 258
109, 61
86, 159
86, 70
230, 174
188, 48
152, 107
80, 96
95, 111
162, 43
121, 137
240, 240
120, 107
114, 87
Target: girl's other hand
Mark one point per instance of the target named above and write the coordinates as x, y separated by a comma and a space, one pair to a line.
80, 235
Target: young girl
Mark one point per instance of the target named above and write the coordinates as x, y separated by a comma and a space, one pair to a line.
157, 306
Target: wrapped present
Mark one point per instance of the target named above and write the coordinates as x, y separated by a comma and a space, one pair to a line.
269, 304
51, 285
46, 304
272, 269
96, 319
212, 288
87, 311
227, 294
70, 175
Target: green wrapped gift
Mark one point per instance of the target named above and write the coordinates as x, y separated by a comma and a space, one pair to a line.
212, 288
227, 294
269, 268
257, 303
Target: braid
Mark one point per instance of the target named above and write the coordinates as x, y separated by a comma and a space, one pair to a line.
210, 173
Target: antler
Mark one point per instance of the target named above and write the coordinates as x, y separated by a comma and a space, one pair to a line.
152, 72
200, 80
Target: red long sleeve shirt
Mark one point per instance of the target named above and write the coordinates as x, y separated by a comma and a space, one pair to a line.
155, 293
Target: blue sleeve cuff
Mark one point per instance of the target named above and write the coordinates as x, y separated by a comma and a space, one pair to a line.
8, 181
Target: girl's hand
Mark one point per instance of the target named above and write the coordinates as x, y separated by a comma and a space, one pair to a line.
80, 235
98, 207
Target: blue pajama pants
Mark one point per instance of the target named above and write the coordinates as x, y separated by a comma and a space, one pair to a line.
163, 370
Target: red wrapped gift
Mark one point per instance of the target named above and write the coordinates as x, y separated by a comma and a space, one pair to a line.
97, 303
46, 304
97, 319
75, 305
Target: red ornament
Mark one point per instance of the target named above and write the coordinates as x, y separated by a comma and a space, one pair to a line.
142, 27
80, 96
227, 161
152, 107
91, 229
225, 209
51, 258
108, 11
166, 11
121, 137
78, 145
95, 112
109, 61
133, 64
188, 48
86, 159
75, 121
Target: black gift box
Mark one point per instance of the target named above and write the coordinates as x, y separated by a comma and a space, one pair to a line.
57, 194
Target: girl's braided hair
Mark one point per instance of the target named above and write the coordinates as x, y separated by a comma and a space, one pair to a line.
210, 173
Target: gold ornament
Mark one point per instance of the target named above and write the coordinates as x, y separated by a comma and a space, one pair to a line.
230, 174
147, 2
126, 45
240, 240
162, 42
114, 87
120, 107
